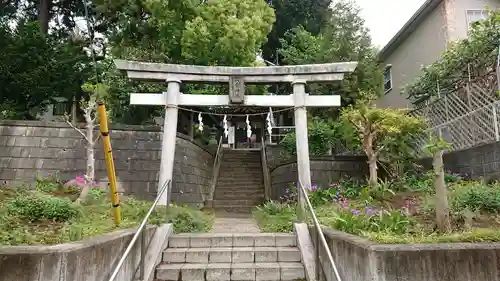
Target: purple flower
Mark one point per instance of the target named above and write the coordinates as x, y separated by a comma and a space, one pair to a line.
287, 190
404, 211
314, 187
356, 212
369, 211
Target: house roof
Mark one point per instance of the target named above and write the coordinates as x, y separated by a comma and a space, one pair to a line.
410, 26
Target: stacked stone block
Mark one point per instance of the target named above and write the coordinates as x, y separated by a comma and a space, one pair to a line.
28, 148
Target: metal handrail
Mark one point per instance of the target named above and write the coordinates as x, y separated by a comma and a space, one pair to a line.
215, 171
265, 170
218, 149
320, 235
139, 231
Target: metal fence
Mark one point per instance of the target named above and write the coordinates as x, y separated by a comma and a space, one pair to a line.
467, 117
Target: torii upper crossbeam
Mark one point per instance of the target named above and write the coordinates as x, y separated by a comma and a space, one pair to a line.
173, 75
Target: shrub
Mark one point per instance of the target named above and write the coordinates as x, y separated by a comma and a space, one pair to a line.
95, 196
335, 192
187, 220
38, 206
476, 196
321, 137
357, 221
275, 217
48, 184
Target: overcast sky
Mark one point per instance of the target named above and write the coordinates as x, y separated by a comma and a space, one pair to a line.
384, 18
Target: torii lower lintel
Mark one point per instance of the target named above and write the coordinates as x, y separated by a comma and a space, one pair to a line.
249, 100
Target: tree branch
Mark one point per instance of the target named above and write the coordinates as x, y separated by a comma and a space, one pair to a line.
97, 138
78, 130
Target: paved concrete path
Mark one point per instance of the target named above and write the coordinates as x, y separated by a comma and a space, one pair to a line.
234, 223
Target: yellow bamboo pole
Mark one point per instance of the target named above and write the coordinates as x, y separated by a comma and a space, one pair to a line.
110, 165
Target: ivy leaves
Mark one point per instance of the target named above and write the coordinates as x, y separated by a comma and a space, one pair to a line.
472, 57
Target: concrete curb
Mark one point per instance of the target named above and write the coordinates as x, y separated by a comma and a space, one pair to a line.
306, 247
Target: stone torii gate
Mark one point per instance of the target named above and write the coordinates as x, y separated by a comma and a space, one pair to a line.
237, 77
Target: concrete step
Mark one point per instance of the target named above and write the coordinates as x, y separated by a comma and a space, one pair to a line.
236, 202
213, 240
240, 185
240, 189
243, 177
231, 171
234, 194
277, 271
231, 255
235, 209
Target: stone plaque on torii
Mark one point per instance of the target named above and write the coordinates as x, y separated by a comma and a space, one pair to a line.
173, 75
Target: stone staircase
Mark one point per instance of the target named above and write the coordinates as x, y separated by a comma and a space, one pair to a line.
225, 257
240, 185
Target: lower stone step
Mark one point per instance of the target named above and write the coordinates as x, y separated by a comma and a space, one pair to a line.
223, 240
233, 202
235, 209
282, 271
232, 255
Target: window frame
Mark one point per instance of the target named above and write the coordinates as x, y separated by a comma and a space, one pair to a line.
57, 106
388, 69
467, 18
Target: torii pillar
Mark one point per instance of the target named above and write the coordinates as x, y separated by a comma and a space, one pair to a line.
297, 75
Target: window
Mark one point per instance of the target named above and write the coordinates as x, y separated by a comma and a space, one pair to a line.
475, 15
388, 79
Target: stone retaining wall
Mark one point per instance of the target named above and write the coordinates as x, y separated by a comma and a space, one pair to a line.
359, 259
33, 147
324, 169
476, 162
93, 259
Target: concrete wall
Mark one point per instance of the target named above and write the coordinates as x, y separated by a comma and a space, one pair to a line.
27, 148
476, 162
358, 259
88, 260
422, 47
458, 14
324, 170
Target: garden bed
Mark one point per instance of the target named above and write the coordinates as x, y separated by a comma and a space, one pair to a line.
397, 212
48, 214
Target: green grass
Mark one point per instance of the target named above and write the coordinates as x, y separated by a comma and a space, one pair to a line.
274, 217
49, 215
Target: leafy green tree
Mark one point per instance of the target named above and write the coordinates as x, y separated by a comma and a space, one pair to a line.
321, 136
227, 32
311, 14
35, 68
376, 127
344, 38
477, 54
209, 33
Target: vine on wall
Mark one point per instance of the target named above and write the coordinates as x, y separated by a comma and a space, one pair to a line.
474, 58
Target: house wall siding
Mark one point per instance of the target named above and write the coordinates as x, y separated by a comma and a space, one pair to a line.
460, 13
447, 23
422, 47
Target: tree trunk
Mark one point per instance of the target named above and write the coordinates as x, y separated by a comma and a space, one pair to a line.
442, 208
44, 16
372, 166
372, 158
90, 171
